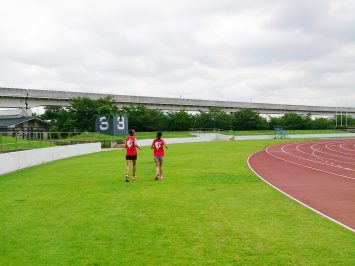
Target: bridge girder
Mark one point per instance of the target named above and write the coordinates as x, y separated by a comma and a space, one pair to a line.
17, 98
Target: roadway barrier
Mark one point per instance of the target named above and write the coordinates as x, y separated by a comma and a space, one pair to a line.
13, 161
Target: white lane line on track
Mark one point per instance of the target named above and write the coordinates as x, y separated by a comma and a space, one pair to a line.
335, 143
329, 164
346, 148
320, 157
348, 177
313, 148
298, 201
327, 147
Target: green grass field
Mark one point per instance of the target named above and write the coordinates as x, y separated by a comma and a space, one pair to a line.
185, 134
166, 134
139, 135
272, 132
210, 210
92, 135
10, 143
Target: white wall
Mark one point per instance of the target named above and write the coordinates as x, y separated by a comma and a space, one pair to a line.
209, 137
13, 161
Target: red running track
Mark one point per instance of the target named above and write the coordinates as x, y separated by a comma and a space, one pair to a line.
318, 174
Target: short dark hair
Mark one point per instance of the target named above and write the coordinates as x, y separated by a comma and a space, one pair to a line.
131, 132
159, 134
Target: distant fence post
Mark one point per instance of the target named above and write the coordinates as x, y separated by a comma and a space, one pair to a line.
29, 140
16, 141
1, 148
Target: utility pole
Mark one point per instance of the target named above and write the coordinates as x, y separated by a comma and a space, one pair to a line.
336, 116
26, 100
341, 115
346, 117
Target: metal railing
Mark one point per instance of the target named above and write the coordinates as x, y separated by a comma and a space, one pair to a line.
205, 129
19, 140
199, 132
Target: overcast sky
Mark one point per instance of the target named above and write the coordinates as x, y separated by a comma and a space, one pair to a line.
295, 52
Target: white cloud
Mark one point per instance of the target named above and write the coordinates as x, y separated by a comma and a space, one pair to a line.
277, 51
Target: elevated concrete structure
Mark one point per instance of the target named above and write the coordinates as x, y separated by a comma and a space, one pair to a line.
12, 98
15, 113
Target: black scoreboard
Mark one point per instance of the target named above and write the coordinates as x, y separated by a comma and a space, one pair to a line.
112, 125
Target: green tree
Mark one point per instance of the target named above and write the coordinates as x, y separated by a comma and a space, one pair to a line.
203, 120
275, 121
220, 119
215, 118
143, 119
294, 121
51, 113
322, 123
247, 119
84, 111
180, 121
65, 122
81, 114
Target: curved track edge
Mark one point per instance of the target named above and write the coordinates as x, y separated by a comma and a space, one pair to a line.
298, 201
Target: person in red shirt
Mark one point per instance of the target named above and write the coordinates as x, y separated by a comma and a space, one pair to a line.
158, 146
131, 154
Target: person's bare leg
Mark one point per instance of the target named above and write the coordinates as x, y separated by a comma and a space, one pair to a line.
161, 170
134, 169
157, 170
128, 162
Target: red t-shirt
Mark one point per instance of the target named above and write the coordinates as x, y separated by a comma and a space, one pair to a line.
131, 146
158, 145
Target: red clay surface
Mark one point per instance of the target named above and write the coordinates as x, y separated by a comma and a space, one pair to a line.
318, 174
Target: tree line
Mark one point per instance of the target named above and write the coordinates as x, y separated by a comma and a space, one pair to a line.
81, 114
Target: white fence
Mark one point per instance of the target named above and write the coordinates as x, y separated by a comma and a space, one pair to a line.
12, 161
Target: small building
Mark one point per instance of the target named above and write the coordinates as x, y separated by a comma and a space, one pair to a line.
22, 124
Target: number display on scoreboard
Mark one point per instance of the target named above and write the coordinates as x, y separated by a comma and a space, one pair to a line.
112, 125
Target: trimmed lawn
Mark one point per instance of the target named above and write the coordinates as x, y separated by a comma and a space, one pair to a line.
93, 135
210, 209
9, 143
272, 132
139, 135
166, 134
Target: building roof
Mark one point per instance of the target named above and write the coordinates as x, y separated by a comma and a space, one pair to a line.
14, 121
15, 113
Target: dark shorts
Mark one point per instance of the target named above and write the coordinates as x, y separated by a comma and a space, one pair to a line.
131, 157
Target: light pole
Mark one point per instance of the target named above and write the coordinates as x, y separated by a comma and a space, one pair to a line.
346, 117
336, 116
341, 116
